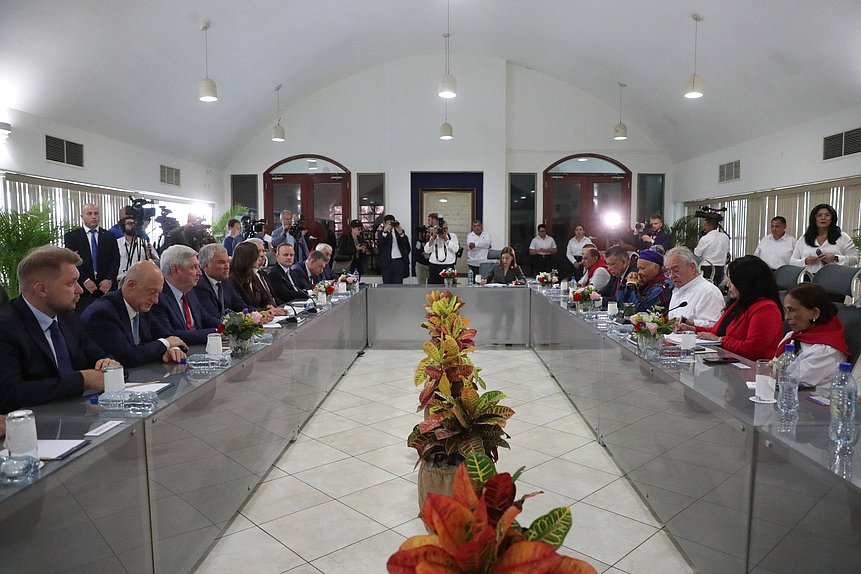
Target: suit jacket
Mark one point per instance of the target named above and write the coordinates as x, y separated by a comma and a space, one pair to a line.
209, 302
385, 251
347, 249
497, 276
299, 273
282, 288
167, 318
107, 323
28, 371
78, 240
255, 295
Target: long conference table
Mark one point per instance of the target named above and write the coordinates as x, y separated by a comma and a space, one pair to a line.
736, 489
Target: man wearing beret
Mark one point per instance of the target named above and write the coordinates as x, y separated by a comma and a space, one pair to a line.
648, 286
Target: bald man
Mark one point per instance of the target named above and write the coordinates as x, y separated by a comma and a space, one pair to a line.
98, 249
120, 322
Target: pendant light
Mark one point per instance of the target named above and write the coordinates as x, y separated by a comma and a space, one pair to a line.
621, 131
278, 130
448, 83
207, 90
445, 131
694, 87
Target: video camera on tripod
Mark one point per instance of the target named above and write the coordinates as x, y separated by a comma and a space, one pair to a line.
140, 214
711, 213
251, 226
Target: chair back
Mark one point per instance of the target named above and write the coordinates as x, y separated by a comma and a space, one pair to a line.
850, 316
836, 279
484, 268
493, 254
787, 276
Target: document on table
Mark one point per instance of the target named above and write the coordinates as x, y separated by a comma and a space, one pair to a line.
676, 339
56, 449
142, 387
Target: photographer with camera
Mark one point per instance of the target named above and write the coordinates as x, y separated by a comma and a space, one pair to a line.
394, 256
133, 247
420, 258
713, 246
442, 248
193, 234
656, 235
352, 247
282, 234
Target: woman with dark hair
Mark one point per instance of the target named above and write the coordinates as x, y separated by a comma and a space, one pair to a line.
817, 333
243, 275
751, 324
823, 242
506, 270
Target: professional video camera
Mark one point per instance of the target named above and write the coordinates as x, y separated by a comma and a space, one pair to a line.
251, 226
140, 214
297, 228
440, 226
711, 213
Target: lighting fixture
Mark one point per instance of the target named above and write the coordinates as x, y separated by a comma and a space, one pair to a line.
582, 159
443, 200
5, 130
445, 131
207, 90
612, 220
621, 131
312, 165
278, 130
695, 82
448, 83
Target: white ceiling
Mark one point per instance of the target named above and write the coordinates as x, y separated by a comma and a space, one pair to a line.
129, 70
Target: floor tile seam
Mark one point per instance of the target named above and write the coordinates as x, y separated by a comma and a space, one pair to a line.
611, 511
261, 524
662, 529
353, 456
311, 563
702, 543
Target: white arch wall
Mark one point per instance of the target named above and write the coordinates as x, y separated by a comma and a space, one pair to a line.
506, 119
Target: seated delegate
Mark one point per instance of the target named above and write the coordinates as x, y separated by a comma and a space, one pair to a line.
648, 287
752, 323
597, 274
817, 332
506, 270
45, 352
696, 300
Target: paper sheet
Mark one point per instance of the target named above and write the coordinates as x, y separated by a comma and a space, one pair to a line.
56, 449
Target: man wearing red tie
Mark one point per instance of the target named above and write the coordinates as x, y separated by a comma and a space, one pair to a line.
178, 312
100, 253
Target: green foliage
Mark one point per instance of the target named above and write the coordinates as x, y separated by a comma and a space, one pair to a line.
219, 225
856, 238
685, 231
21, 231
551, 528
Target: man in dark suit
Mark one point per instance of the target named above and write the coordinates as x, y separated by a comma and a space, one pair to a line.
619, 264
284, 288
100, 253
394, 257
215, 293
120, 321
326, 249
353, 246
45, 353
306, 274
178, 311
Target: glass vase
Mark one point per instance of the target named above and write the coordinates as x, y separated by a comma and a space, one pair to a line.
650, 346
239, 346
449, 281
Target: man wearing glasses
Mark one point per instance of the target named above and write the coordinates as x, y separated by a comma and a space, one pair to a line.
705, 301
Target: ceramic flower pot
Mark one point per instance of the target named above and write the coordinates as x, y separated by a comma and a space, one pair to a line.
436, 480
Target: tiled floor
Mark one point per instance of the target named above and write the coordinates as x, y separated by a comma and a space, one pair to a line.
343, 497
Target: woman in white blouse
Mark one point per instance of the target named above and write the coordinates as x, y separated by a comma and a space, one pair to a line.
824, 243
574, 252
817, 332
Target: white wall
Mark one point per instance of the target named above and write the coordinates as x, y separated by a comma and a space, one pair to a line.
107, 161
788, 157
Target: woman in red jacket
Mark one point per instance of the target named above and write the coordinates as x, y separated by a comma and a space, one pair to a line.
752, 324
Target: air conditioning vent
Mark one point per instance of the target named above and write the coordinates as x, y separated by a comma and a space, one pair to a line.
841, 144
729, 171
169, 175
63, 151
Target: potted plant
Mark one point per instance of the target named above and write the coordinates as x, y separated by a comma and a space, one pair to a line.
474, 531
21, 231
686, 231
453, 429
240, 328
650, 328
219, 225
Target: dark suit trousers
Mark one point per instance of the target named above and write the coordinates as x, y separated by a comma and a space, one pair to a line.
394, 271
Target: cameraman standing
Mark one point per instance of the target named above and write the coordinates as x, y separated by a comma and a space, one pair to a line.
419, 256
394, 256
712, 249
133, 247
441, 248
282, 234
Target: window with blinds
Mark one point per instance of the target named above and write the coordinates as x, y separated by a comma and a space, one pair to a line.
748, 216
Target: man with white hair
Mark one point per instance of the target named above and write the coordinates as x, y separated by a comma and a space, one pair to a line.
178, 311
702, 301
326, 249
215, 293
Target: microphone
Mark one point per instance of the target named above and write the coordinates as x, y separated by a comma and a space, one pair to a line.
679, 306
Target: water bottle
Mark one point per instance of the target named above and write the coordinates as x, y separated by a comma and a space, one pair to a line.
787, 380
133, 402
844, 393
469, 277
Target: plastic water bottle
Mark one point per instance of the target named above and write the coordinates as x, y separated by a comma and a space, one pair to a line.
844, 393
469, 277
133, 402
787, 379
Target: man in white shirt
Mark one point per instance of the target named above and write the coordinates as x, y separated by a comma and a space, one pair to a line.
712, 249
478, 241
541, 251
441, 250
133, 248
704, 300
776, 247
597, 273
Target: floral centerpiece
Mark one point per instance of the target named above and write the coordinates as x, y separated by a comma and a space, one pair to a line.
325, 288
350, 281
241, 327
585, 298
650, 327
548, 278
449, 276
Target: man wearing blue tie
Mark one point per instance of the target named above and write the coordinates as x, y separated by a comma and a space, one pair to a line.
45, 353
100, 253
120, 321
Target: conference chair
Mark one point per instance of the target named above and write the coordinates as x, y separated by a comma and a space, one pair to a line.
787, 276
837, 280
492, 257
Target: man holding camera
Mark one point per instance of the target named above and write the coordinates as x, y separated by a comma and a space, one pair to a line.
712, 249
133, 247
282, 234
394, 256
656, 235
442, 250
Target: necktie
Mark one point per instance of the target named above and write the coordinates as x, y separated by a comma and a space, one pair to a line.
220, 296
136, 333
94, 247
61, 351
186, 310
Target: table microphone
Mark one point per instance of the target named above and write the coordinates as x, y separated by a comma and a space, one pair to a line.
679, 306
